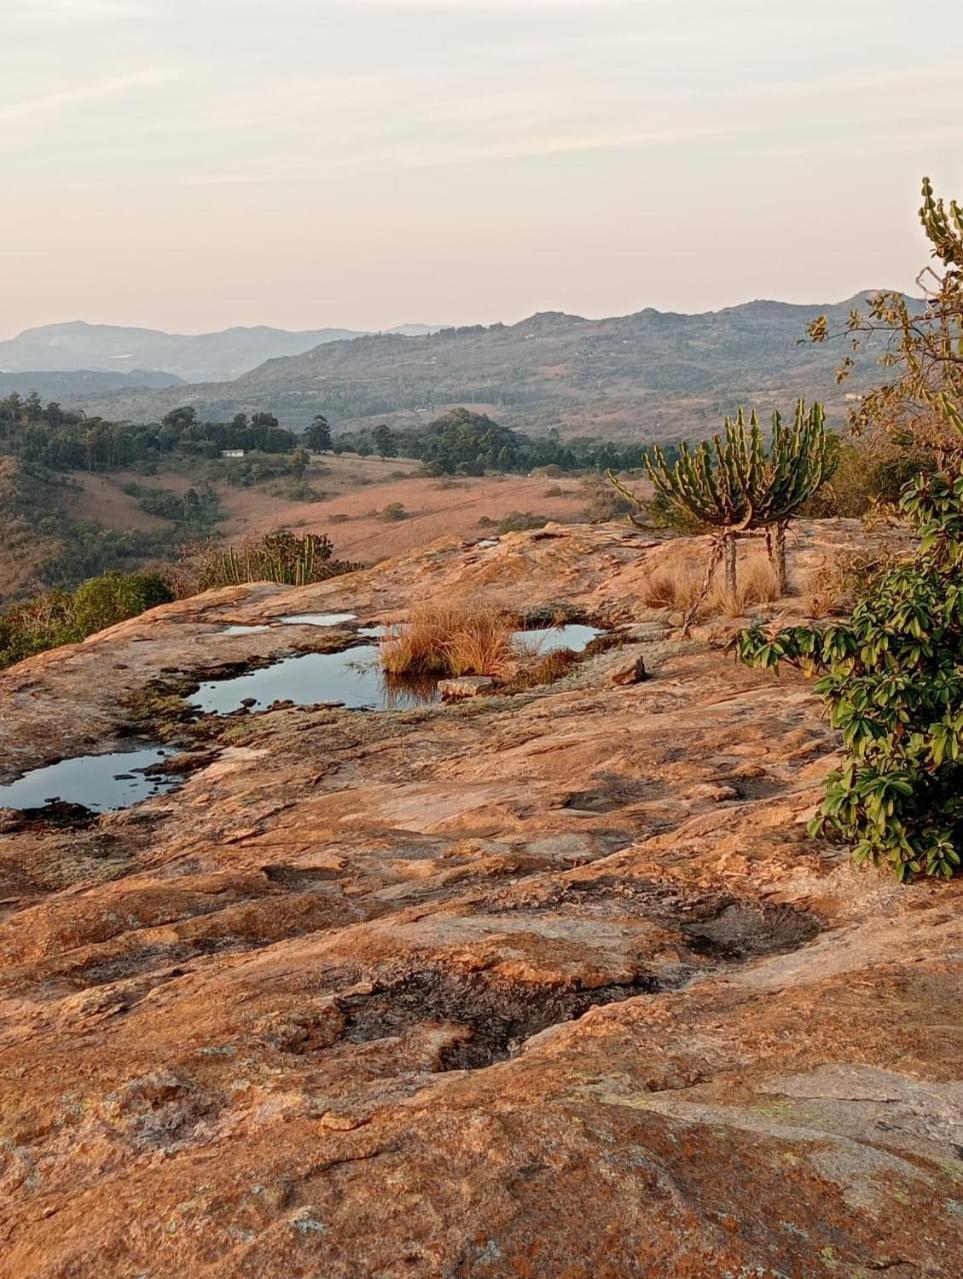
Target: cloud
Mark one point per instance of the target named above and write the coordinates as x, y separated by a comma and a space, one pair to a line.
84, 11
24, 119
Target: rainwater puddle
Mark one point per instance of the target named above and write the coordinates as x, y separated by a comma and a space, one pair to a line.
553, 638
319, 619
102, 783
243, 630
352, 678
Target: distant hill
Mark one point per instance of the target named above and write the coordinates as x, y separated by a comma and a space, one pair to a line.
67, 384
664, 374
201, 357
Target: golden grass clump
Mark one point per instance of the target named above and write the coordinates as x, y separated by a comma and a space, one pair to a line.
676, 584
451, 639
673, 584
756, 583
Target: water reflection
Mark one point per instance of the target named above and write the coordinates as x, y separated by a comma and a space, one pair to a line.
352, 678
102, 783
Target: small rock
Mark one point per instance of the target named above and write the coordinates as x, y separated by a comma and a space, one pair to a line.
629, 672
465, 686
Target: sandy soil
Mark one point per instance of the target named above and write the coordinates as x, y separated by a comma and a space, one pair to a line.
436, 509
103, 500
358, 488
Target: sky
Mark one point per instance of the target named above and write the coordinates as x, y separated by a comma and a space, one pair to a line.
195, 164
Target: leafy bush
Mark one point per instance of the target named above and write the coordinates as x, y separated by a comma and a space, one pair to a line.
191, 507
63, 618
893, 681
519, 521
393, 512
605, 503
871, 473
105, 601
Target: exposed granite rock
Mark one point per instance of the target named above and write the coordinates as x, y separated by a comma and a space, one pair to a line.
630, 671
453, 690
554, 985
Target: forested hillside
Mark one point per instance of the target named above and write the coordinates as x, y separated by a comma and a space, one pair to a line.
664, 376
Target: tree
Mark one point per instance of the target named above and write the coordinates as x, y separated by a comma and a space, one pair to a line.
299, 462
179, 418
318, 434
892, 677
735, 484
893, 681
923, 341
384, 441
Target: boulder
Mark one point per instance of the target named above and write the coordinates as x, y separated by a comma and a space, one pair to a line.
453, 690
630, 671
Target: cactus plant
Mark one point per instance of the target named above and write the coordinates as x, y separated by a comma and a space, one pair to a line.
734, 483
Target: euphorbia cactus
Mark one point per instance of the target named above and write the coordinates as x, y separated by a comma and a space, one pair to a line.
736, 483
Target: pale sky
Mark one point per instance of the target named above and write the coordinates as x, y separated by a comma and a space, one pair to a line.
192, 164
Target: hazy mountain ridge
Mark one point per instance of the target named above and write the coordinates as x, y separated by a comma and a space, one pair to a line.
66, 383
666, 373
202, 357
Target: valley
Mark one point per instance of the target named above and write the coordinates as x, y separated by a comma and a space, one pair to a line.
665, 376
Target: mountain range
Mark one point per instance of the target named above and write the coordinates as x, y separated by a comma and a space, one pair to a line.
202, 357
664, 374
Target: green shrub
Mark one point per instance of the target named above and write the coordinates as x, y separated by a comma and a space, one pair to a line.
114, 597
892, 678
63, 618
394, 511
605, 503
870, 473
519, 521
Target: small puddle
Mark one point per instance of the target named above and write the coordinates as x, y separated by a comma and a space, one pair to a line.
318, 619
352, 678
552, 638
295, 619
101, 783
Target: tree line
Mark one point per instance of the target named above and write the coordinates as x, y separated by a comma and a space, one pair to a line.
457, 442
60, 440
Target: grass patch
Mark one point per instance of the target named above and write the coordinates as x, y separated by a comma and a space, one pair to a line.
451, 639
676, 585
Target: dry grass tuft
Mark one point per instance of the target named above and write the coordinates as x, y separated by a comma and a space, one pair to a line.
451, 639
755, 584
673, 584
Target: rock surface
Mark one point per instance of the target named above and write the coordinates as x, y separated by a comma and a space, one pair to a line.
549, 985
629, 672
453, 690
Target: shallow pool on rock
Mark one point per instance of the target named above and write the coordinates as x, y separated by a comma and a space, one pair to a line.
102, 783
552, 638
352, 678
318, 619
